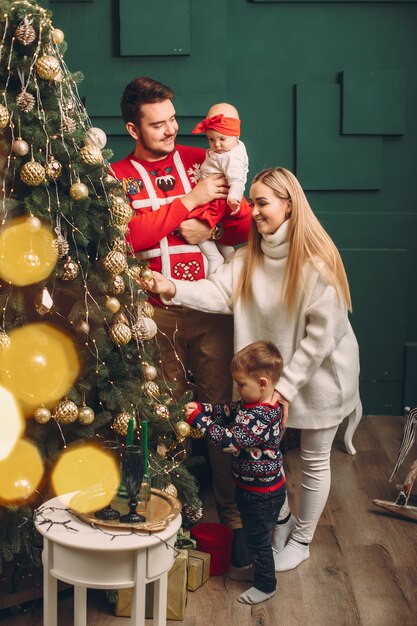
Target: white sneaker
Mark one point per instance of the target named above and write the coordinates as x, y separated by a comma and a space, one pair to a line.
281, 534
292, 555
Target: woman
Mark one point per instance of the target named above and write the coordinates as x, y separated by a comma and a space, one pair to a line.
289, 286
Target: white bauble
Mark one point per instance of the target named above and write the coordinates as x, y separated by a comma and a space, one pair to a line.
97, 136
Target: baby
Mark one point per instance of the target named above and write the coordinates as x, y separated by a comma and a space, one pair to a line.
227, 155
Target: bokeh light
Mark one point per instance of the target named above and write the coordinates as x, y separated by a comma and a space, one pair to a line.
27, 254
40, 366
11, 423
90, 471
20, 473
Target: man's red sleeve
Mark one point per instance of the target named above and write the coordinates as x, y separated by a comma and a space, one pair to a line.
148, 227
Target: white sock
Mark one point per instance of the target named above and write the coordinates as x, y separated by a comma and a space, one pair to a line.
292, 555
281, 533
254, 596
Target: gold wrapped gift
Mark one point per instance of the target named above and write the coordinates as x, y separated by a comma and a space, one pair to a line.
198, 568
177, 592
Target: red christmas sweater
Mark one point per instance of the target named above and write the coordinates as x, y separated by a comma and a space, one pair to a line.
155, 190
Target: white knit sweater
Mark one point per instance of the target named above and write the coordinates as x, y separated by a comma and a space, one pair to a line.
321, 357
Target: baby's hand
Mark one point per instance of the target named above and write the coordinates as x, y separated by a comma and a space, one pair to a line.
189, 408
234, 205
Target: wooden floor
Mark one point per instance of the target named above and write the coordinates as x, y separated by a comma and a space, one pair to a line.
363, 564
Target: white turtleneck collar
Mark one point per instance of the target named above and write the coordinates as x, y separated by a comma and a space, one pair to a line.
276, 245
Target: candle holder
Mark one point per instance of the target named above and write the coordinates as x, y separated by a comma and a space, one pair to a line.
115, 449
133, 468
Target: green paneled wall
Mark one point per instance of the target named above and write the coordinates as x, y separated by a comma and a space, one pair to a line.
328, 89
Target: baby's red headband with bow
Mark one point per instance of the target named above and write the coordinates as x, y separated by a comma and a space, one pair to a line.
221, 124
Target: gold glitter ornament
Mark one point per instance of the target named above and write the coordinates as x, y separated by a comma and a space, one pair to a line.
47, 67
196, 433
192, 514
182, 429
25, 101
121, 212
85, 415
145, 329
61, 246
150, 388
112, 304
115, 262
147, 309
149, 371
171, 490
78, 191
161, 411
42, 415
57, 36
120, 334
65, 412
121, 423
91, 154
68, 124
20, 147
4, 116
25, 33
120, 245
70, 270
53, 169
32, 173
120, 318
117, 285
5, 341
134, 272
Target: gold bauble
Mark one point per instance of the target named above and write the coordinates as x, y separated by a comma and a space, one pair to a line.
121, 212
53, 169
57, 36
4, 341
112, 304
146, 274
42, 415
66, 412
117, 285
120, 334
32, 173
47, 67
162, 411
115, 262
4, 116
25, 33
78, 191
196, 433
147, 309
85, 415
83, 327
20, 147
25, 101
70, 270
91, 154
150, 388
119, 244
149, 371
182, 429
121, 423
172, 490
120, 318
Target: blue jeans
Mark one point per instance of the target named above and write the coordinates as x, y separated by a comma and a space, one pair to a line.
259, 513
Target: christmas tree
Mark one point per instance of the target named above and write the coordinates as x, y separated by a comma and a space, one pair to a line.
77, 350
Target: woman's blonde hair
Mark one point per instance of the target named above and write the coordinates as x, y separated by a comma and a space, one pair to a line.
308, 242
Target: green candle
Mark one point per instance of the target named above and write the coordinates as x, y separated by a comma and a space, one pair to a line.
144, 442
130, 431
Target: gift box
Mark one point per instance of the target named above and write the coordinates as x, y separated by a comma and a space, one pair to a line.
177, 592
198, 569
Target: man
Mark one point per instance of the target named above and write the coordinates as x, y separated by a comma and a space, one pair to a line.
162, 182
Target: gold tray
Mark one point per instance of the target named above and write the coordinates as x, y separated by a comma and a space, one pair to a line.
162, 508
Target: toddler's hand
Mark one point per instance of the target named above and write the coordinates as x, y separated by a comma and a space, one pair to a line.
234, 206
189, 408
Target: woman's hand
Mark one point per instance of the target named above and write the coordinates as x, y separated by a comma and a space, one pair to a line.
277, 397
158, 284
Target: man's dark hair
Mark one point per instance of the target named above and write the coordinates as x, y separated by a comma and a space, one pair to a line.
142, 90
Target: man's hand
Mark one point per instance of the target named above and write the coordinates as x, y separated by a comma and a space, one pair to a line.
189, 408
213, 187
195, 231
158, 284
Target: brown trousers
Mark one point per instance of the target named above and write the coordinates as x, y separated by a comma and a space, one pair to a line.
202, 343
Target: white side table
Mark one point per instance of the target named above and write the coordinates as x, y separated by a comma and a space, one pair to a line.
83, 556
